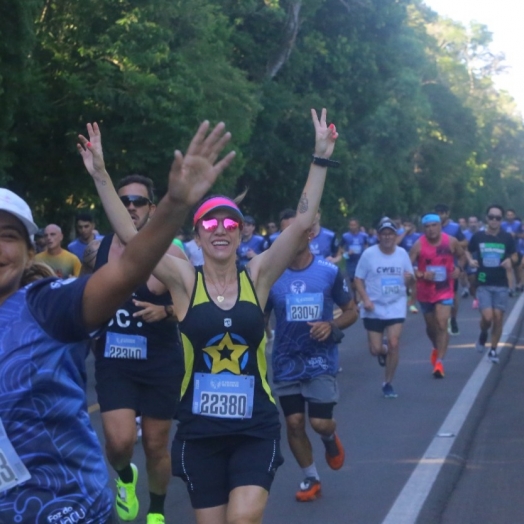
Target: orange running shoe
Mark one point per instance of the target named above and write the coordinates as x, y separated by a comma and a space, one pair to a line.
309, 490
438, 370
334, 453
433, 357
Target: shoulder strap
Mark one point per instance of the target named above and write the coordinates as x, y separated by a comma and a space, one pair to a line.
103, 251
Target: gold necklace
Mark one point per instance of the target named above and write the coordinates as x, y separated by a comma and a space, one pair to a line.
220, 296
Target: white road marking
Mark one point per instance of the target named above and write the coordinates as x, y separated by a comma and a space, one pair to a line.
408, 504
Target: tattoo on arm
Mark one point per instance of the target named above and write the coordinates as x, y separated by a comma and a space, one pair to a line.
303, 203
90, 254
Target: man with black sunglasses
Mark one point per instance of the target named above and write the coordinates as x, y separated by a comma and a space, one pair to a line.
493, 252
146, 382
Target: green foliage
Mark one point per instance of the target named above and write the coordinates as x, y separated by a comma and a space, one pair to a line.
412, 95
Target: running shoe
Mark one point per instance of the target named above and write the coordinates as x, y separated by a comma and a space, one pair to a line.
465, 293
511, 293
155, 518
438, 370
475, 304
309, 490
335, 454
413, 309
492, 355
434, 356
126, 502
481, 342
453, 328
388, 391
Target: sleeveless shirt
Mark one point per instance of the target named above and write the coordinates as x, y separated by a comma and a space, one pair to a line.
164, 353
440, 260
225, 348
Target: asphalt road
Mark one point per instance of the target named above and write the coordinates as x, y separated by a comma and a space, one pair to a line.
384, 439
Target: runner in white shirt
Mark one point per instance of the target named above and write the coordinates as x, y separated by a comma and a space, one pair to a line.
382, 274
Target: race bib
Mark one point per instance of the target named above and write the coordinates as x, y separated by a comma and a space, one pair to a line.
356, 248
125, 346
391, 285
223, 395
12, 469
304, 307
440, 272
491, 260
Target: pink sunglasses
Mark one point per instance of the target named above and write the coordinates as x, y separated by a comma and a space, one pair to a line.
211, 224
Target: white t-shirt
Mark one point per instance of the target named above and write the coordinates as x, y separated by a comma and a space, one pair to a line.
383, 277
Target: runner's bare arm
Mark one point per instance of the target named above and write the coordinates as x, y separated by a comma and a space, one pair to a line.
190, 178
268, 266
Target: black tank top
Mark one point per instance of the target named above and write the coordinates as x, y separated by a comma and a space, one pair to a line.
164, 351
221, 349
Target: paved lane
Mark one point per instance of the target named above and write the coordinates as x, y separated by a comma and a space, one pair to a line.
384, 438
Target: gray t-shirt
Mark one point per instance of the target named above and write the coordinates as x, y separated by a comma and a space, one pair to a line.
383, 277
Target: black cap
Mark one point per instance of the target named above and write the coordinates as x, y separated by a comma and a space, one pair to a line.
386, 223
248, 219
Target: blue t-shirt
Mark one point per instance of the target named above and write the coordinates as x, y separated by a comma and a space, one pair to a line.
409, 240
514, 227
453, 229
272, 238
356, 243
324, 244
43, 346
257, 243
298, 297
77, 247
372, 240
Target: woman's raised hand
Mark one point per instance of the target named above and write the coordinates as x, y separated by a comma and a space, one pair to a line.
325, 136
193, 174
91, 150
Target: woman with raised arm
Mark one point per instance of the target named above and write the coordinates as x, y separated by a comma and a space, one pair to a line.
51, 465
227, 446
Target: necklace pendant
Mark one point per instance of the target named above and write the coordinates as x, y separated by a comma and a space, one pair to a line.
220, 298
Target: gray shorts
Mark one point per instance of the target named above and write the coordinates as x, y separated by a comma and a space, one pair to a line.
322, 389
493, 297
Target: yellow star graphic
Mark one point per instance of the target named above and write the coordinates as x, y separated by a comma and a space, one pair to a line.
226, 355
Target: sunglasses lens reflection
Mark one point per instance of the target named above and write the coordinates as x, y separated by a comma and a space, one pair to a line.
211, 224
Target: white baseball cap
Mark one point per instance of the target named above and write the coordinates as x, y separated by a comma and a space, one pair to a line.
13, 204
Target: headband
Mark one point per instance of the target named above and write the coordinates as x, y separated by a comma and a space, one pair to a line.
214, 203
430, 217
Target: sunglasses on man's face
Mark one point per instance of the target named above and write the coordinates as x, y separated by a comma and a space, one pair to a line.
211, 224
136, 200
495, 217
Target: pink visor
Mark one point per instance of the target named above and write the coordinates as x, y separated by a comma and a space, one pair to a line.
218, 202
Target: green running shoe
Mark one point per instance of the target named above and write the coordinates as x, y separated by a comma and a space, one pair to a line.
126, 502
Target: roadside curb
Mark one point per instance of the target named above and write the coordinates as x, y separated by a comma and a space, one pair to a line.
457, 459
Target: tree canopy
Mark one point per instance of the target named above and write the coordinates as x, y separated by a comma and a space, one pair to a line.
412, 95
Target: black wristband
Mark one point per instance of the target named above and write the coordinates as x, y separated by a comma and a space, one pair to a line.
325, 162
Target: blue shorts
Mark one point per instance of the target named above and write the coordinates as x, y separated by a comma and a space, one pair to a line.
429, 307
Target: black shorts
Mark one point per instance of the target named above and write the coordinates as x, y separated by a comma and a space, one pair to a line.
152, 396
212, 467
378, 325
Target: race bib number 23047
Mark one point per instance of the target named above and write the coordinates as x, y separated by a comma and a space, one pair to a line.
12, 469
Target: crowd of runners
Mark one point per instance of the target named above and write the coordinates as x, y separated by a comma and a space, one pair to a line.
179, 332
